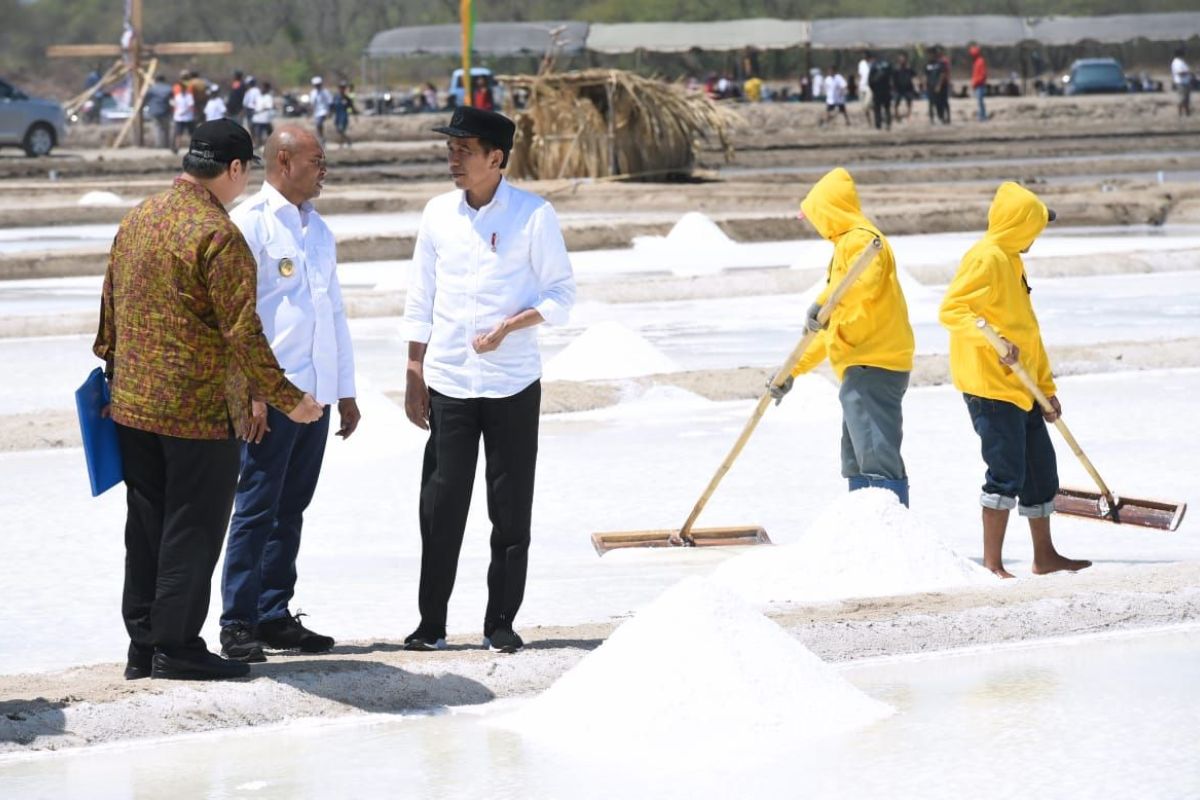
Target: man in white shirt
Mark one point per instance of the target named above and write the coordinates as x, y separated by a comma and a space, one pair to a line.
322, 101
489, 265
835, 97
300, 305
215, 108
250, 102
1181, 77
864, 83
183, 111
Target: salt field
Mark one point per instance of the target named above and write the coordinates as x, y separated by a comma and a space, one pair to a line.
696, 673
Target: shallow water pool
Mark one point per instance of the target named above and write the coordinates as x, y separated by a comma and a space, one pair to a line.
1102, 716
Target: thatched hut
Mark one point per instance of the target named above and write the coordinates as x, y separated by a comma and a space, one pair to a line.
601, 123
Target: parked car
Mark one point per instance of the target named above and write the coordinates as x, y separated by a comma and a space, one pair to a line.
34, 124
1096, 76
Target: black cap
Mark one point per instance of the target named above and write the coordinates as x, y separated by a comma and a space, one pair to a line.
468, 121
223, 141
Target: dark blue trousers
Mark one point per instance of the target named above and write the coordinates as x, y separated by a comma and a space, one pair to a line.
278, 478
1020, 459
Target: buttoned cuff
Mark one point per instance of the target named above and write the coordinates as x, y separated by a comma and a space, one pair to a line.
552, 312
419, 332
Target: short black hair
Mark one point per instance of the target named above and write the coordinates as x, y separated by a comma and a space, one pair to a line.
205, 168
488, 147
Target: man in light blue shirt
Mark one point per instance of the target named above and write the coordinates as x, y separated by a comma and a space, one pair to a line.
489, 265
300, 304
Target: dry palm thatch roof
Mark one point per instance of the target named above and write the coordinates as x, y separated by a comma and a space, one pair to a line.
602, 123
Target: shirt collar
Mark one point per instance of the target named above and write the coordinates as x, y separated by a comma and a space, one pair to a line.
276, 200
499, 199
197, 191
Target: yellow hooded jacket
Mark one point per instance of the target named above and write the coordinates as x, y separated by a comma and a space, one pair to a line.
869, 327
990, 283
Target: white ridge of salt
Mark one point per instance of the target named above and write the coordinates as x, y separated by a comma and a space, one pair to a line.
696, 230
606, 351
866, 544
697, 667
97, 198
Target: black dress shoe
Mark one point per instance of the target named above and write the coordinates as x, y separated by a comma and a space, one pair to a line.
503, 640
202, 666
286, 633
137, 663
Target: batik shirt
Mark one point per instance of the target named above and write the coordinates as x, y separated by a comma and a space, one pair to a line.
178, 326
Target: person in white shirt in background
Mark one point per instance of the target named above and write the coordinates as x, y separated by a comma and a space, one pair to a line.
322, 101
262, 122
489, 265
184, 113
864, 85
214, 109
250, 103
835, 97
1181, 77
300, 305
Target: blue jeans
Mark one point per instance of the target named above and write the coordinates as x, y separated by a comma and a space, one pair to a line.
278, 478
980, 93
1020, 459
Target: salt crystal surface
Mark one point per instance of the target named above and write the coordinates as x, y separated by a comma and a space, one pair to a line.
607, 350
697, 669
101, 199
866, 544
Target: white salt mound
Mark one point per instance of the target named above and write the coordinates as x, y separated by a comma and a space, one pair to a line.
695, 246
864, 545
698, 668
101, 199
696, 230
607, 351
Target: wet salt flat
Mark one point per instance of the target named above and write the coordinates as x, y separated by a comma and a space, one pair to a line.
1096, 717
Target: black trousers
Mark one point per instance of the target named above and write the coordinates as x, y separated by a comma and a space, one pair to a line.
179, 494
509, 427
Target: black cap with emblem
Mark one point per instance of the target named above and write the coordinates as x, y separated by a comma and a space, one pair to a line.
223, 141
468, 122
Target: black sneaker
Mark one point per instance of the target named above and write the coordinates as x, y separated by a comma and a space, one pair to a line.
139, 662
425, 639
238, 643
503, 640
202, 666
286, 633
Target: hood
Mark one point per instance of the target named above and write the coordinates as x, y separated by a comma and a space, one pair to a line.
832, 205
1016, 218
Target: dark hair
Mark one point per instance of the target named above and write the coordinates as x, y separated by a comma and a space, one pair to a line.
488, 147
1179, 51
205, 168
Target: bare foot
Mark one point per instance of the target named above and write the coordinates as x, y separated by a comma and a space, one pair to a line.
1057, 563
1000, 572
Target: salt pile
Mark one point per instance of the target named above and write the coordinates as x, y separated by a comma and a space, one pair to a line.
864, 545
607, 351
698, 671
101, 199
695, 245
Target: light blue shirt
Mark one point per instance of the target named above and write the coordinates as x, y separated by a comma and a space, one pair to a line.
299, 297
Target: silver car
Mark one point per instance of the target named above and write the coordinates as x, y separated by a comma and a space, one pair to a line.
31, 123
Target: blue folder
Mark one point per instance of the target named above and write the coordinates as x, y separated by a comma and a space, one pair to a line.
100, 446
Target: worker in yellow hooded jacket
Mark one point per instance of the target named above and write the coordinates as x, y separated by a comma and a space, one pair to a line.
867, 339
1021, 465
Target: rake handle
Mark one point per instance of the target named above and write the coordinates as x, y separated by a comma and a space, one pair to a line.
835, 297
1002, 348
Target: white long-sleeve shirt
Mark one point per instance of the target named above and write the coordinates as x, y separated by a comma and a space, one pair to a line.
302, 313
473, 269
